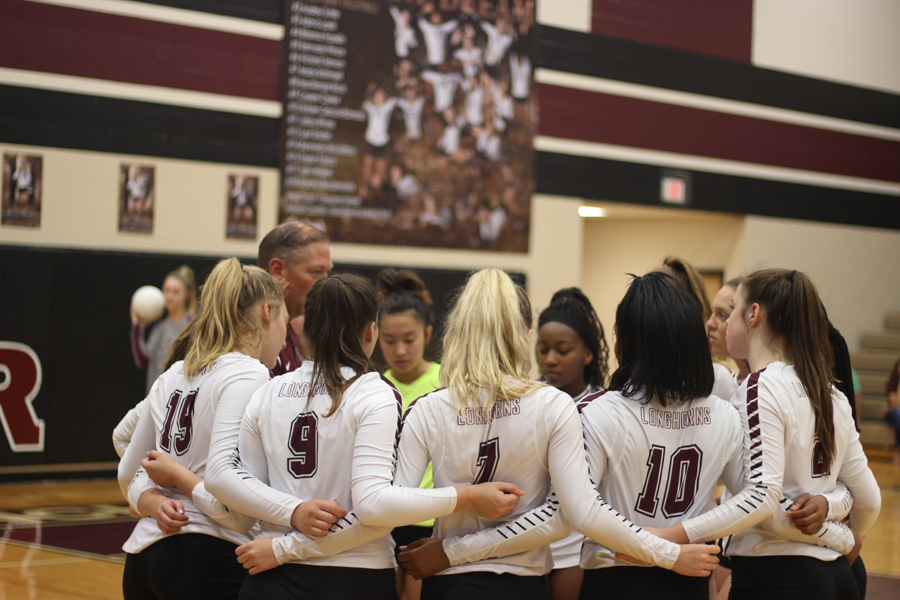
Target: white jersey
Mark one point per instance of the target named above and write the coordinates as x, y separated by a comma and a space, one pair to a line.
497, 44
526, 441
449, 142
444, 88
470, 60
490, 145
725, 383
474, 103
436, 39
178, 418
23, 179
779, 426
520, 76
404, 34
567, 552
289, 449
412, 116
658, 465
379, 121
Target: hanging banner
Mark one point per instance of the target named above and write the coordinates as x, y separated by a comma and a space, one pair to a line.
410, 123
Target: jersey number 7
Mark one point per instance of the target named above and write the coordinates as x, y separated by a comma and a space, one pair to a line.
488, 455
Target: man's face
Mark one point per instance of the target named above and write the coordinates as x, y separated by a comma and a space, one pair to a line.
301, 275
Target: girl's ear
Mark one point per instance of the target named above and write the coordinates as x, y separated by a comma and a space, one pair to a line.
428, 331
755, 315
265, 313
588, 357
371, 332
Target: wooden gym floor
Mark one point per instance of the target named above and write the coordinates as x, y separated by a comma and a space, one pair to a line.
63, 540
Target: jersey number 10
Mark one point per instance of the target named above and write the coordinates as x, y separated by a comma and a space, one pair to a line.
684, 477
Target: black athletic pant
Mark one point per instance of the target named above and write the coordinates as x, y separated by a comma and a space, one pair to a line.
309, 582
791, 578
482, 585
191, 566
642, 582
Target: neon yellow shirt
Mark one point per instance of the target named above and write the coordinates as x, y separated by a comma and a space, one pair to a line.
429, 381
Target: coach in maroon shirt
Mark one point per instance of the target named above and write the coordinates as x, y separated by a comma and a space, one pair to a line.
298, 254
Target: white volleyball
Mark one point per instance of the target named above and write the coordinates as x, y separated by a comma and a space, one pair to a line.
148, 303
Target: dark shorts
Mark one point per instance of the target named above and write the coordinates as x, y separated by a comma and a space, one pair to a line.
642, 582
377, 151
186, 565
406, 535
791, 578
308, 582
481, 585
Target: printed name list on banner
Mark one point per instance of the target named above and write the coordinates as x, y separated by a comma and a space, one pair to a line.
410, 123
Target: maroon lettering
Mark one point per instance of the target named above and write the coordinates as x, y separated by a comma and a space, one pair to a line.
304, 445
818, 461
646, 502
488, 455
20, 382
683, 480
179, 422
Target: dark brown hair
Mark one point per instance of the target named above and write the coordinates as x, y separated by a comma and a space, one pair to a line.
338, 309
690, 280
400, 291
794, 315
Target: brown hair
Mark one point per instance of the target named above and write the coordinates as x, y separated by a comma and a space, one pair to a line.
288, 242
794, 316
400, 291
338, 309
690, 280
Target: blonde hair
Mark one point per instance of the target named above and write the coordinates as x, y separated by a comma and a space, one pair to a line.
185, 275
485, 349
691, 280
226, 317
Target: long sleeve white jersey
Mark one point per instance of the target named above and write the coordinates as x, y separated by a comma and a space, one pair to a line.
435, 37
470, 59
725, 384
527, 441
474, 103
497, 44
783, 457
179, 418
520, 76
412, 116
444, 85
404, 34
658, 465
379, 121
289, 447
125, 429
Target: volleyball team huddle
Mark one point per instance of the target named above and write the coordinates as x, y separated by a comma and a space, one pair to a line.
577, 485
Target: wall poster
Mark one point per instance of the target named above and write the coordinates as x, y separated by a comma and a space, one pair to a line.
22, 186
137, 191
241, 206
410, 122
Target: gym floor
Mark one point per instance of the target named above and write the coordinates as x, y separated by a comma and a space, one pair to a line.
63, 540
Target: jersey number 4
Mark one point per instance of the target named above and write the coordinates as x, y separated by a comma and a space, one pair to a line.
488, 455
179, 422
304, 445
682, 482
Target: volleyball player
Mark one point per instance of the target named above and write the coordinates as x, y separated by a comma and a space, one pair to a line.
404, 332
573, 357
329, 430
720, 309
493, 422
239, 332
801, 439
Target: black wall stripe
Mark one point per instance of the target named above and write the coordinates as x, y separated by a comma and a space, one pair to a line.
634, 62
268, 11
615, 181
45, 118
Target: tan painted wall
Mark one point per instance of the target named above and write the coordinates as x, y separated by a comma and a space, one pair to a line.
614, 247
855, 268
